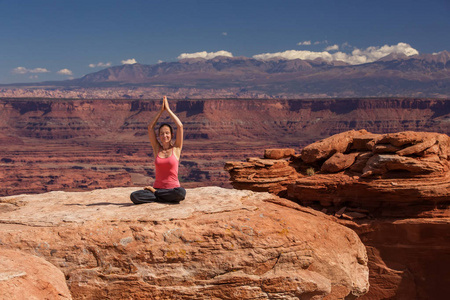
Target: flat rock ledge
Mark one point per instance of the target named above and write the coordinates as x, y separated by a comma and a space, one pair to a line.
217, 244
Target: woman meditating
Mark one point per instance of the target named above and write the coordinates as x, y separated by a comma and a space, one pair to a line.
166, 187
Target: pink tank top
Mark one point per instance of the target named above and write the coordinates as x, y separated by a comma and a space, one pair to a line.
166, 172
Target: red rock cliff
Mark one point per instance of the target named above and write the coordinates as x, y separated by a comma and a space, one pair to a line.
392, 189
86, 144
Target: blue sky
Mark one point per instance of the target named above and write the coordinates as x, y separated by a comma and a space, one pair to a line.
60, 39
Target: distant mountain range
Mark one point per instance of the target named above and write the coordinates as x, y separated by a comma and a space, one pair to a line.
423, 75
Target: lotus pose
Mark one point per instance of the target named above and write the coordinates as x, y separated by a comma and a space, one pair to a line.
166, 187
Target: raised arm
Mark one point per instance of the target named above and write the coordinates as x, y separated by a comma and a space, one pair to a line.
151, 131
179, 133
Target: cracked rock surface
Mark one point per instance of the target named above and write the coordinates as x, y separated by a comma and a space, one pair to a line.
216, 244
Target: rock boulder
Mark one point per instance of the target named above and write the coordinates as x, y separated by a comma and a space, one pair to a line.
262, 175
356, 168
217, 244
323, 149
28, 277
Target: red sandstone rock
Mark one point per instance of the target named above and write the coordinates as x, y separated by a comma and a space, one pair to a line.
338, 143
392, 174
264, 175
64, 144
385, 148
382, 164
44, 161
408, 258
338, 162
24, 277
400, 139
360, 162
278, 153
216, 244
417, 148
393, 171
400, 199
351, 215
365, 142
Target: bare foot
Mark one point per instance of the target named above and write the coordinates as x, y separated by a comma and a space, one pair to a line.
150, 188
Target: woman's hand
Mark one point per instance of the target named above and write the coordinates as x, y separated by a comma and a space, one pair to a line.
163, 105
166, 103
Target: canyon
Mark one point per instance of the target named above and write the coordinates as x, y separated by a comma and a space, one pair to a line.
75, 145
61, 144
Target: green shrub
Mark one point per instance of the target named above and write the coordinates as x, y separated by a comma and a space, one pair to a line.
310, 171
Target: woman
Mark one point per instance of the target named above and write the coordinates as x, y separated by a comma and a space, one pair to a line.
166, 187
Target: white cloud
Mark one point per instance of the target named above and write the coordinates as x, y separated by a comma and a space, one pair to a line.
129, 61
356, 57
346, 45
332, 48
100, 64
374, 53
20, 70
304, 43
23, 70
294, 54
39, 70
205, 55
224, 33
160, 61
65, 72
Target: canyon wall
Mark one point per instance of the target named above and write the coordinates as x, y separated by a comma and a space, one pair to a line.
54, 144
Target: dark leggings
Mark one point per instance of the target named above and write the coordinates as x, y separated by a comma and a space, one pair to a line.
161, 195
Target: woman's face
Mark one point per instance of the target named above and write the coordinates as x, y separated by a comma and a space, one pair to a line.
164, 134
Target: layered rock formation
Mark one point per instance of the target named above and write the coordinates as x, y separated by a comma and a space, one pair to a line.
217, 244
356, 168
392, 189
50, 144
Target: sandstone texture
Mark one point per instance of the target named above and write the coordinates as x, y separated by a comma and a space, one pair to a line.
357, 168
216, 244
409, 258
392, 189
266, 175
278, 153
28, 277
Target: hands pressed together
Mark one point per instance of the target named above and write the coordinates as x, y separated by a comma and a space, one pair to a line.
165, 104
